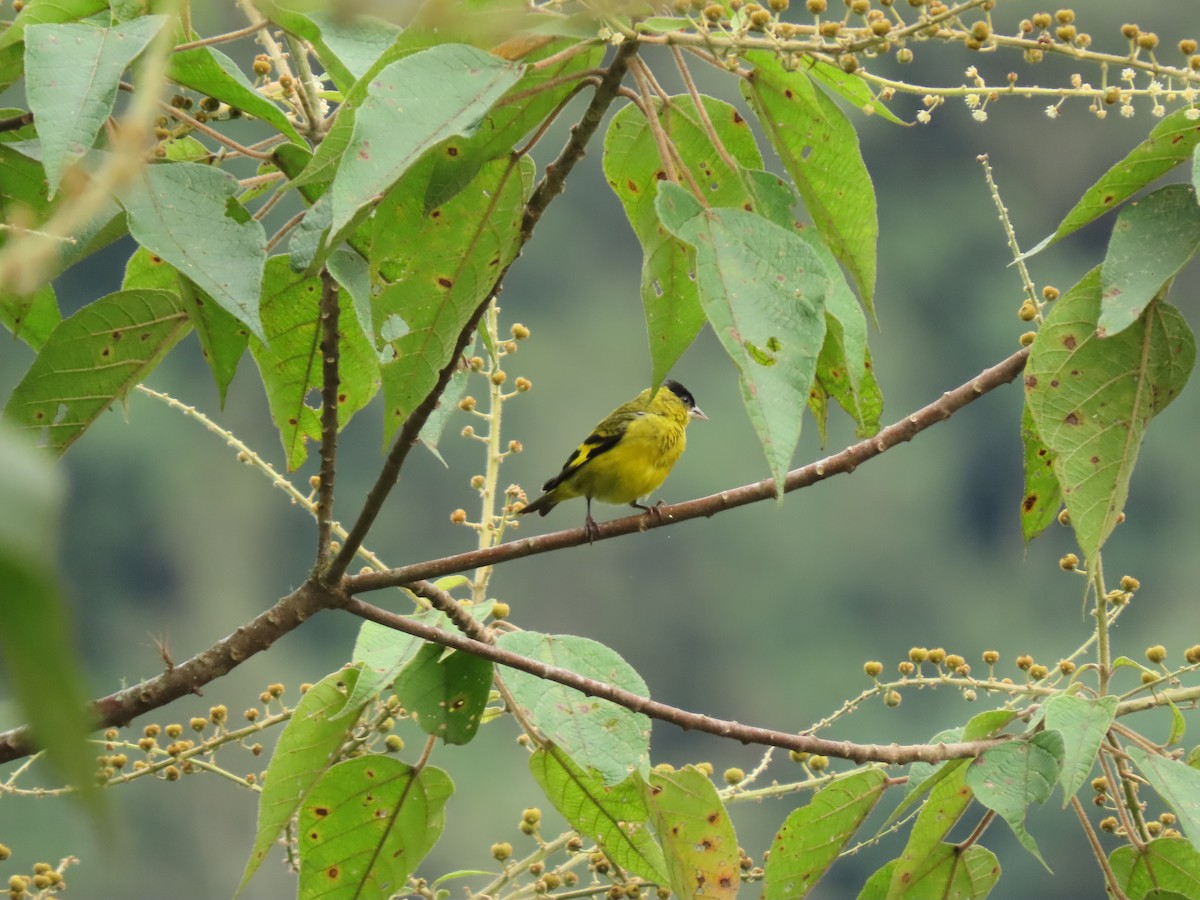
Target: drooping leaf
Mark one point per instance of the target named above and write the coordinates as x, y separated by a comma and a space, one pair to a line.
614, 816
1170, 143
812, 836
290, 361
1043, 495
851, 88
697, 837
950, 874
633, 169
12, 37
1082, 722
819, 148
93, 359
1092, 398
598, 734
185, 213
1177, 783
439, 267
412, 105
1009, 777
366, 826
72, 72
445, 692
763, 290
33, 617
316, 730
1152, 240
922, 855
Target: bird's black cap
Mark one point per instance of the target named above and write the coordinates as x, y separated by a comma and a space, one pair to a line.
681, 392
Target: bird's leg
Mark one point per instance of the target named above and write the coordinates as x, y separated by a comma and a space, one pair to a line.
655, 510
589, 524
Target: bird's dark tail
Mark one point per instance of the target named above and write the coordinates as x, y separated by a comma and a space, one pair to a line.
541, 505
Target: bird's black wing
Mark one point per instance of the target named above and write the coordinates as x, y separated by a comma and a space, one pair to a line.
593, 445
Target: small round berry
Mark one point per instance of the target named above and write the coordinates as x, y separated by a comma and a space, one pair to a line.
5, 852
1147, 40
906, 668
1027, 338
818, 763
1041, 20
918, 655
705, 767
1065, 16
523, 384
981, 30
969, 695
1024, 661
1150, 678
1066, 666
532, 815
1109, 824
733, 775
1192, 654
198, 724
937, 656
1129, 583
174, 730
501, 851
499, 377
466, 404
1037, 671
1069, 562
537, 868
872, 668
798, 755
1028, 311
904, 55
275, 690
991, 657
892, 699
1100, 785
458, 516
250, 715
954, 661
261, 66
1064, 517
848, 63
816, 7
519, 331
1157, 653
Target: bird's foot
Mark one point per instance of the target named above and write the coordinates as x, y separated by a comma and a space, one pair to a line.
591, 528
655, 511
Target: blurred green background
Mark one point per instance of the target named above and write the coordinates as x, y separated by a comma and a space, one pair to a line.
764, 614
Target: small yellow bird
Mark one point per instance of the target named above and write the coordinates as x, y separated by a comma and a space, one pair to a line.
627, 456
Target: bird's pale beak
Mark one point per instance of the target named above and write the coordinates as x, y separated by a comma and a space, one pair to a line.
697, 413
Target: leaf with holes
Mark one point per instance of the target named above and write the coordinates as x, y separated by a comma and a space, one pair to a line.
1152, 240
438, 267
812, 837
697, 836
30, 317
1043, 495
614, 816
763, 290
598, 734
366, 826
819, 149
1092, 399
951, 874
1009, 777
304, 751
93, 359
412, 105
445, 691
633, 168
186, 213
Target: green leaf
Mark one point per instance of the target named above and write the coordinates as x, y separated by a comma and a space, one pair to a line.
1177, 783
186, 214
439, 266
819, 149
1165, 864
763, 290
598, 734
94, 358
223, 338
412, 105
1043, 496
812, 837
1009, 777
72, 72
31, 317
346, 45
353, 275
946, 803
1152, 240
633, 169
851, 88
697, 836
614, 816
1178, 725
446, 692
1170, 143
459, 159
304, 751
1082, 722
951, 874
1092, 398
34, 625
290, 360
367, 825
211, 72
11, 55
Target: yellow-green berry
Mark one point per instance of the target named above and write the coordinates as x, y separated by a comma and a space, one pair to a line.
872, 668
502, 851
1157, 653
733, 775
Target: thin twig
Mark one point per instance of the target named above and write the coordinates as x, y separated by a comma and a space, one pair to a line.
1098, 851
221, 38
713, 137
285, 229
840, 463
893, 754
330, 384
455, 611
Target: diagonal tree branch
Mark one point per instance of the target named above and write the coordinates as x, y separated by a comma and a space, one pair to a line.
844, 462
330, 381
550, 186
893, 754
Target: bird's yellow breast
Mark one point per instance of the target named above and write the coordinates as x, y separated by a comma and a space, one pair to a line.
636, 466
